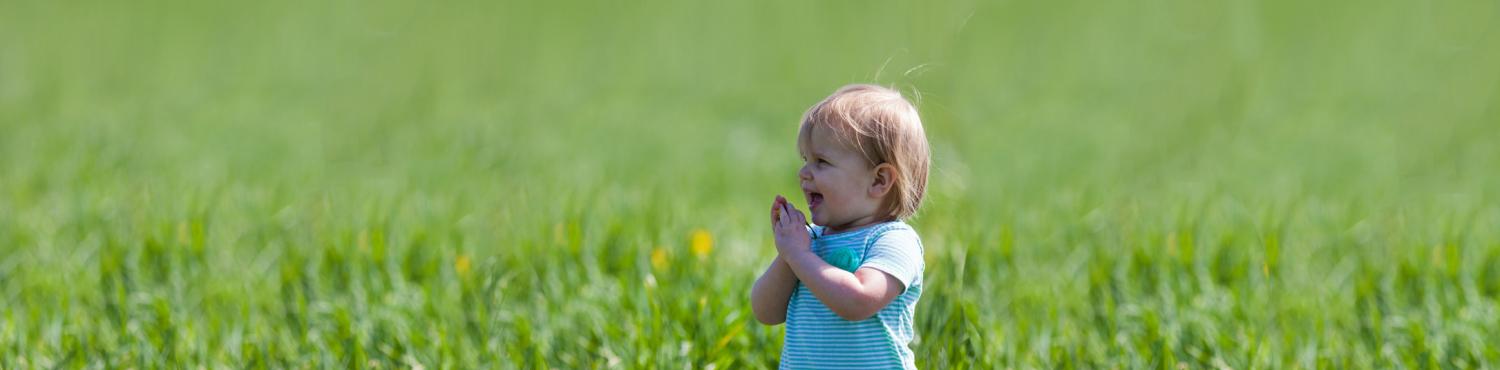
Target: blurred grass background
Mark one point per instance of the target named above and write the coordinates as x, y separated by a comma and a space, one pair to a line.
576, 184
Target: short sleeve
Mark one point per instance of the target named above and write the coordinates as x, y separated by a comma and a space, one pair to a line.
897, 252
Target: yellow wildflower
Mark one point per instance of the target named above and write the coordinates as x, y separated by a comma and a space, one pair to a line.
659, 258
462, 265
702, 243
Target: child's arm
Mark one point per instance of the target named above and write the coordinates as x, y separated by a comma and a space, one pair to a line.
768, 299
853, 296
769, 296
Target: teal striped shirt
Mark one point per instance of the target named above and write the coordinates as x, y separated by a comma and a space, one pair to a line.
816, 338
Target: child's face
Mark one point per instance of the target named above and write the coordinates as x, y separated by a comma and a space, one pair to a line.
837, 182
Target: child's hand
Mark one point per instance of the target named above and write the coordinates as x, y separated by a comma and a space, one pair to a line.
790, 228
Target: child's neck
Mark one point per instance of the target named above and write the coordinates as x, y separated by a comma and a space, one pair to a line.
856, 224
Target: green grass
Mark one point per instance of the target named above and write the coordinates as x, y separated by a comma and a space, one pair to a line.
1158, 184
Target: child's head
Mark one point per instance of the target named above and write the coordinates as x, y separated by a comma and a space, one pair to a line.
865, 157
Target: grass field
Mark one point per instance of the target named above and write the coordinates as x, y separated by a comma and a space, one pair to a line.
572, 184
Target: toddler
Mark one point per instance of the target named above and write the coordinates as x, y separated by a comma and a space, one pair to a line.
847, 284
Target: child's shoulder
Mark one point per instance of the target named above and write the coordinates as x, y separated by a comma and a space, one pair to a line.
896, 231
897, 225
892, 233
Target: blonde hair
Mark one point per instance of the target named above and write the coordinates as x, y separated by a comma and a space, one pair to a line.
884, 127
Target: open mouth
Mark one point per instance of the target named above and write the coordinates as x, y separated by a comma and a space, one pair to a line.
814, 199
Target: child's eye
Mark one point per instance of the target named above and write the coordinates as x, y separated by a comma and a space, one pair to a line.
820, 161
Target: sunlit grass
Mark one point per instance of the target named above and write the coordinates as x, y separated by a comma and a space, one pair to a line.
1137, 185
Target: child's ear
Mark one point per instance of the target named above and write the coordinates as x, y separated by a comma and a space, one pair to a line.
885, 178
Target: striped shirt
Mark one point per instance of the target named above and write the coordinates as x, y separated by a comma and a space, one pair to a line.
816, 338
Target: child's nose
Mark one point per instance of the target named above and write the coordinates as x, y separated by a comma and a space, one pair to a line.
804, 173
